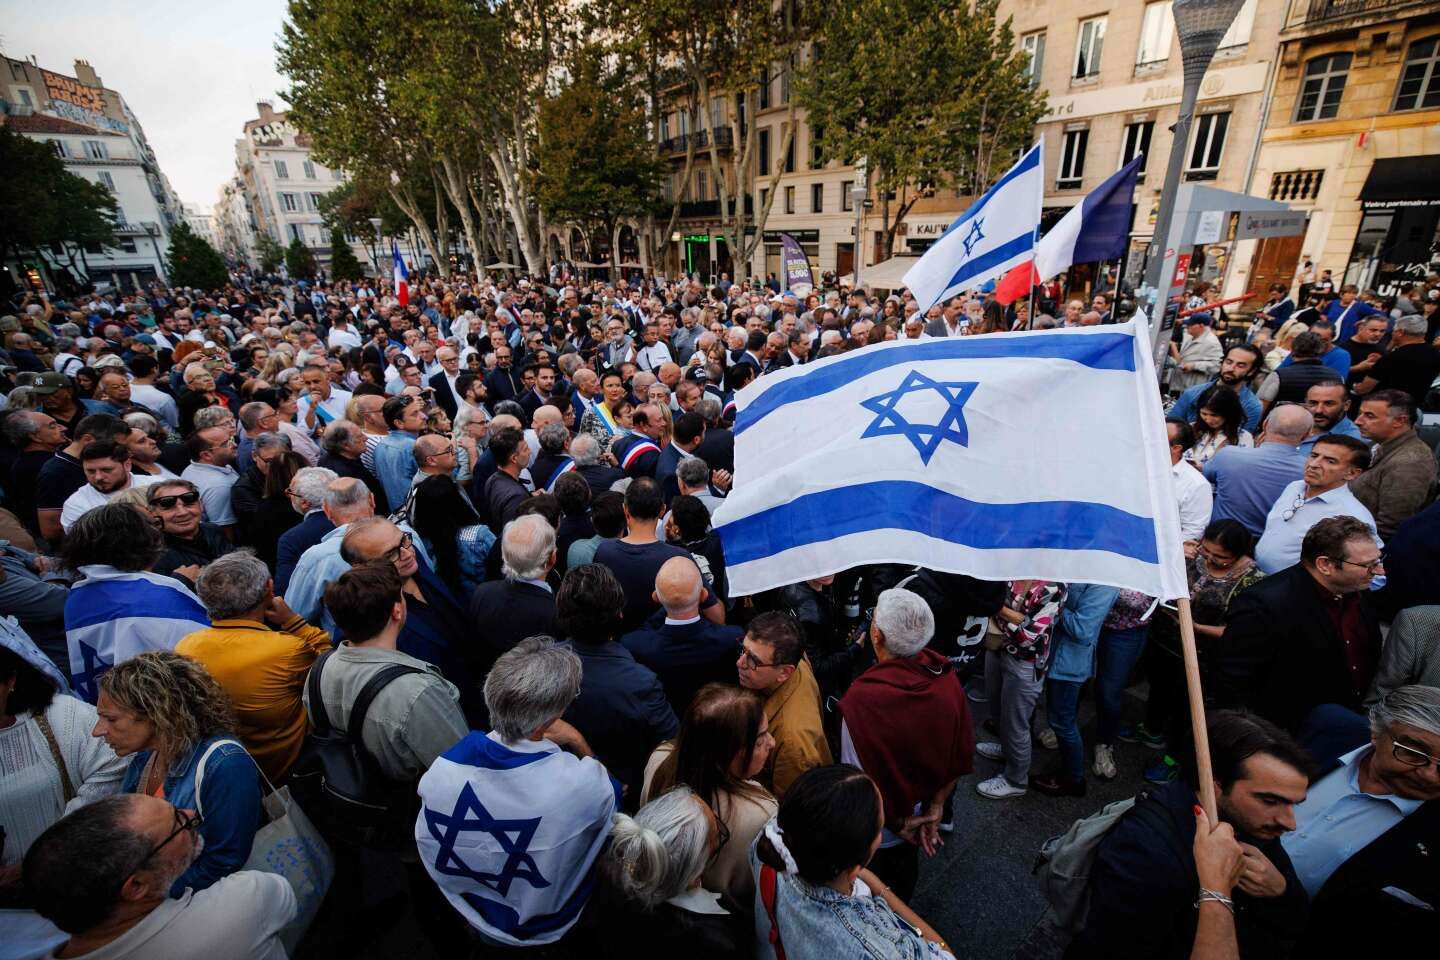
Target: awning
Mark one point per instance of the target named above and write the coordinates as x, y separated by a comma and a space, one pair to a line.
889, 275
1398, 179
501, 266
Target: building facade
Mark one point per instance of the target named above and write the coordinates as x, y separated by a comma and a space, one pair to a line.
1353, 137
99, 138
202, 222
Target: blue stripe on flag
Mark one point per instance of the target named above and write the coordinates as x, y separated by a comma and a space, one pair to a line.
989, 259
1101, 351
906, 505
1026, 163
478, 750
105, 600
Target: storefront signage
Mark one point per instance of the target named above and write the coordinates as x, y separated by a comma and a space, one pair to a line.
1254, 226
934, 229
1396, 204
70, 90
801, 236
1229, 82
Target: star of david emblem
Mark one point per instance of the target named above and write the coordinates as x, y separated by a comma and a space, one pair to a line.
974, 236
92, 666
514, 837
925, 437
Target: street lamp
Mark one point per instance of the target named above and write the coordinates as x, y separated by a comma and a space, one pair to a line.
1200, 26
375, 245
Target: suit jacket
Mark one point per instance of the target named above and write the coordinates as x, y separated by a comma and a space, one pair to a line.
504, 612
1412, 564
1411, 654
503, 384
355, 469
1280, 654
717, 448
600, 476
937, 328
685, 656
665, 466
1399, 482
296, 541
444, 396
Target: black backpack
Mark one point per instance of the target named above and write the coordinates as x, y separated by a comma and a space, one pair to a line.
340, 785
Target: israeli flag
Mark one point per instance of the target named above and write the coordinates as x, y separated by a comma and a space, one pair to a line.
984, 242
111, 616
1004, 456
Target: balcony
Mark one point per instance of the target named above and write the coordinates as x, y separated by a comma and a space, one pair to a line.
1318, 11
677, 146
1296, 185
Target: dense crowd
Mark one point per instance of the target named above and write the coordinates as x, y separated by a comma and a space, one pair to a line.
438, 583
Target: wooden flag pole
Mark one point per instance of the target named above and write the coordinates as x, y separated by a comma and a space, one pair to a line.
1197, 709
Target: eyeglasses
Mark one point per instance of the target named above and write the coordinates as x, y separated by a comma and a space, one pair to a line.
393, 554
1289, 512
185, 822
168, 503
755, 663
1370, 567
1412, 757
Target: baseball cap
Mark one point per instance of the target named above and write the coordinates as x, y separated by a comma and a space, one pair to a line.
49, 382
109, 360
1201, 318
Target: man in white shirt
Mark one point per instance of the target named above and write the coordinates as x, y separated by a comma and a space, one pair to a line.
1322, 492
322, 402
107, 472
103, 873
144, 392
1192, 490
342, 333
212, 451
653, 354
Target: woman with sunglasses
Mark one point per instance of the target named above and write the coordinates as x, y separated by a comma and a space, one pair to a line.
724, 743
175, 723
190, 543
655, 891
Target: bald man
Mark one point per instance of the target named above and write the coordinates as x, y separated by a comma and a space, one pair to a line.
586, 393
1248, 479
685, 650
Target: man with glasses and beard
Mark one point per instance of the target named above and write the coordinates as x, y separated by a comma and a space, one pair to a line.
773, 663
1323, 490
103, 876
190, 542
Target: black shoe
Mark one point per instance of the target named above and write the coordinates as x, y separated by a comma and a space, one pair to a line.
988, 726
1056, 786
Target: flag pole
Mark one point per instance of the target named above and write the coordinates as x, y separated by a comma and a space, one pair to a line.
1204, 776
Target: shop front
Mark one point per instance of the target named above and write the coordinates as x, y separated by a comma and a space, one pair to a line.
1398, 241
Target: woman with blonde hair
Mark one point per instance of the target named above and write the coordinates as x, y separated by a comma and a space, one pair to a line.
173, 720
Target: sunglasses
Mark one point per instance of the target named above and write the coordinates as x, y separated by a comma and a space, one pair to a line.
168, 503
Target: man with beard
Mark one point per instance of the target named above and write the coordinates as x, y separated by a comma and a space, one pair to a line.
107, 472
1236, 369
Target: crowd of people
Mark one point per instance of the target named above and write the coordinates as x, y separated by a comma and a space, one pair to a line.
446, 570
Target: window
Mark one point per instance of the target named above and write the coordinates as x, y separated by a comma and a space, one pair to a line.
1072, 158
764, 152
312, 202
60, 149
337, 175
95, 150
1033, 45
817, 198
127, 245
1209, 145
847, 202
817, 135
664, 127
790, 156
309, 170
1321, 89
1420, 80
1239, 32
702, 185
789, 199
717, 112
1137, 143
107, 180
1088, 47
289, 203
765, 88
282, 172
764, 197
25, 99
296, 232
1156, 31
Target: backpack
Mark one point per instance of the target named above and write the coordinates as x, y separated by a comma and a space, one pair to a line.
340, 785
1064, 862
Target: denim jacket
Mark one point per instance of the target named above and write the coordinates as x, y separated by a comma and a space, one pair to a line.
818, 923
1073, 646
230, 802
395, 466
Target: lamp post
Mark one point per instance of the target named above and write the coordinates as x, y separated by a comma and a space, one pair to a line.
1200, 26
858, 192
375, 247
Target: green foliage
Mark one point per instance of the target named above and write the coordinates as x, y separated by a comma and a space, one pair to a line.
596, 166
270, 253
344, 265
43, 203
299, 260
192, 262
952, 110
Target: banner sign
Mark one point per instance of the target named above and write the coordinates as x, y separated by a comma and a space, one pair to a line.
798, 277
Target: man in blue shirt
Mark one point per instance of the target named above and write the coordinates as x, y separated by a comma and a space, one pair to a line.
1326, 403
1346, 312
1240, 362
1333, 357
394, 455
1249, 479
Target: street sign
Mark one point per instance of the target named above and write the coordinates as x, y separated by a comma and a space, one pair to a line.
869, 204
1257, 225
1212, 223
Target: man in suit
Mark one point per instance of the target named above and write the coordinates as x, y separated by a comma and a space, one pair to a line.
638, 453
1412, 652
948, 323
1367, 835
684, 440
685, 650
1302, 637
543, 392
307, 492
585, 451
447, 393
717, 447
504, 612
504, 382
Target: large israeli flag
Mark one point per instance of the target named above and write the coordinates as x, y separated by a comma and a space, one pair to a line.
995, 234
1004, 456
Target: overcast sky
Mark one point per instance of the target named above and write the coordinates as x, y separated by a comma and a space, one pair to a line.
191, 71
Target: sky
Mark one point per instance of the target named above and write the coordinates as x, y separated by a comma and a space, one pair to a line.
191, 71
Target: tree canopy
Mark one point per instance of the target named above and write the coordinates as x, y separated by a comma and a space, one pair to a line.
192, 262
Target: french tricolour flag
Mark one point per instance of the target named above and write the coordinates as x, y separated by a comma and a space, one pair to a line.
995, 234
402, 276
1097, 228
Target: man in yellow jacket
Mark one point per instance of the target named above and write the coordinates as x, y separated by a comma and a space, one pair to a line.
772, 663
260, 651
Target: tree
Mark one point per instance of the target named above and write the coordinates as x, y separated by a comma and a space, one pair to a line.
344, 265
192, 262
270, 254
596, 166
299, 260
44, 206
951, 112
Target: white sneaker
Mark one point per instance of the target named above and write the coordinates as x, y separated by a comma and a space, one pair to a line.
990, 750
998, 788
1104, 761
1048, 740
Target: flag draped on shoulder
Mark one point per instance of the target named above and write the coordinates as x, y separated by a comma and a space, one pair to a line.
111, 616
1005, 456
995, 234
402, 276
